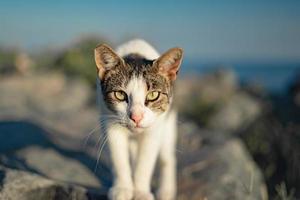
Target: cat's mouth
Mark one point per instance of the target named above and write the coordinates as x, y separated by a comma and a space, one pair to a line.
136, 127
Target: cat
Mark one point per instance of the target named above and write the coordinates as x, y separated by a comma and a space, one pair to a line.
136, 87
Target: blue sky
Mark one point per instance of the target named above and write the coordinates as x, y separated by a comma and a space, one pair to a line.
232, 30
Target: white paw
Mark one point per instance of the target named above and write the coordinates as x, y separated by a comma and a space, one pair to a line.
120, 193
166, 195
141, 195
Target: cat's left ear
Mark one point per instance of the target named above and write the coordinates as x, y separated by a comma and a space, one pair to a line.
168, 64
106, 59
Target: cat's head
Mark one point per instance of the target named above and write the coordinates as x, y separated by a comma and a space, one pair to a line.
137, 90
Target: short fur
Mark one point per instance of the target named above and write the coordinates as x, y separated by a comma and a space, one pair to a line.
139, 128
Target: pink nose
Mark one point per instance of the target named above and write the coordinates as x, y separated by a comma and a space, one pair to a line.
136, 117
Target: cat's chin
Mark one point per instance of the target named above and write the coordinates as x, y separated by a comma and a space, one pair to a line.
137, 129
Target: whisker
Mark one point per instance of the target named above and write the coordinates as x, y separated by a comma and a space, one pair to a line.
99, 140
100, 151
108, 116
97, 127
103, 121
89, 135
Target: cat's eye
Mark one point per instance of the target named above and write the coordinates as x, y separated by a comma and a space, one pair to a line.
120, 95
152, 96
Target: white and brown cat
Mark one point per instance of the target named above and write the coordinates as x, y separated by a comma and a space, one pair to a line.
136, 91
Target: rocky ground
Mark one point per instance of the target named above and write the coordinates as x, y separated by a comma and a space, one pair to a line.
49, 140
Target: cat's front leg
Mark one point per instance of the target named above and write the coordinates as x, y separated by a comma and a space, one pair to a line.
167, 160
146, 158
118, 143
167, 185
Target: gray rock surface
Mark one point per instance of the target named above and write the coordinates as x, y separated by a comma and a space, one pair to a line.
214, 166
21, 185
239, 112
48, 99
216, 101
48, 161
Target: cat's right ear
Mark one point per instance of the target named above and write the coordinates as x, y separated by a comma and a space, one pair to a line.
106, 59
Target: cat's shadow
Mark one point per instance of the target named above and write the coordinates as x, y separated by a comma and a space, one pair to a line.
17, 135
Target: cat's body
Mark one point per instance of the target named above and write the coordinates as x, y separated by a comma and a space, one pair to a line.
136, 95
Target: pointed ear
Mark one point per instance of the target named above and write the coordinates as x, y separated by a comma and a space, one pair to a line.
168, 64
106, 59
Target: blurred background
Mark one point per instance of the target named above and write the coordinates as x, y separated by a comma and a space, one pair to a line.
239, 81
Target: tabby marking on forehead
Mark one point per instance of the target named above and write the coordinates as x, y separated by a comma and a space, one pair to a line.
136, 89
136, 68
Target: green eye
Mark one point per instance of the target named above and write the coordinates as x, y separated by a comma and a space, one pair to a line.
120, 95
152, 96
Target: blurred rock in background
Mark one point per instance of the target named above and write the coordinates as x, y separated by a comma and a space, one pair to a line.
23, 63
216, 101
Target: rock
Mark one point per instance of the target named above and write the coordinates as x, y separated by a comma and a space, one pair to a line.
51, 163
16, 184
237, 113
23, 63
209, 88
218, 167
51, 100
31, 148
215, 101
37, 92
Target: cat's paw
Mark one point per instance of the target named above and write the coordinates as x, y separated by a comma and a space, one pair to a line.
141, 195
120, 193
166, 195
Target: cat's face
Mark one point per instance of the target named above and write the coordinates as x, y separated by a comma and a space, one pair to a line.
136, 90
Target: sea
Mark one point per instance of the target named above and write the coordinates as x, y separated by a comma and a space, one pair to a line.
274, 77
